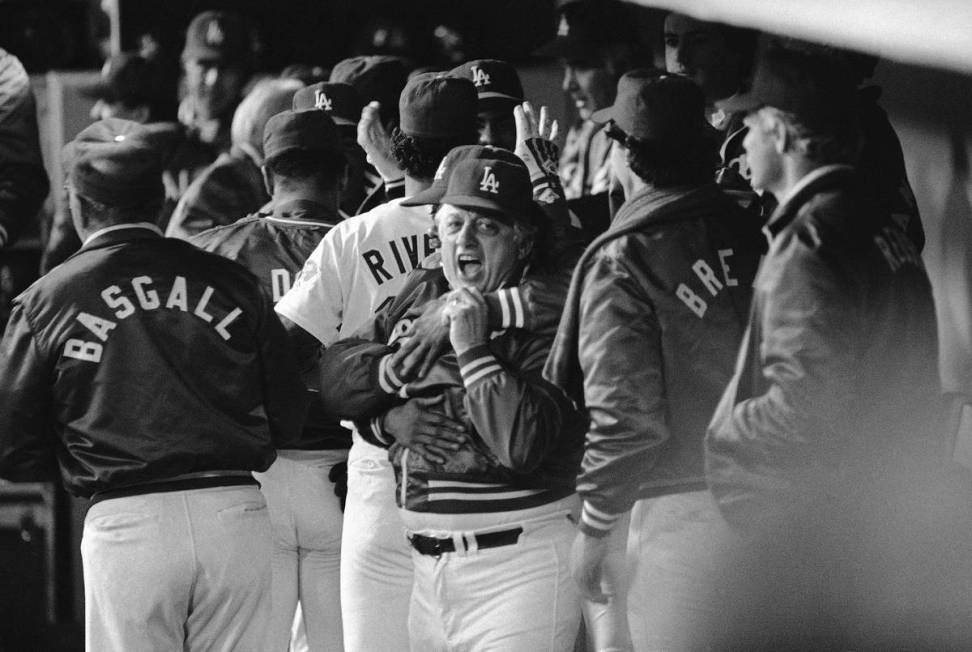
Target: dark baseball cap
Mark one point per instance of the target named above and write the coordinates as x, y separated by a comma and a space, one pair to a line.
310, 131
584, 27
377, 78
652, 105
337, 99
127, 77
433, 105
221, 36
817, 88
496, 82
115, 162
434, 193
497, 187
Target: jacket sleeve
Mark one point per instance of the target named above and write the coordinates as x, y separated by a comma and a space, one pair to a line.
518, 414
619, 350
537, 303
285, 397
23, 179
357, 381
28, 438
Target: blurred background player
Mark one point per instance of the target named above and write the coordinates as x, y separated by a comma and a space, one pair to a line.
175, 381
131, 88
23, 179
233, 186
719, 58
379, 79
303, 171
342, 103
499, 89
595, 44
358, 268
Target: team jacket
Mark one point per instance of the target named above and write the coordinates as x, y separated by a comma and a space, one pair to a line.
275, 247
525, 437
23, 180
232, 186
838, 368
142, 358
654, 315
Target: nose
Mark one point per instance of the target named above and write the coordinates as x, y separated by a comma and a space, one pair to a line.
467, 234
683, 53
486, 133
570, 79
97, 110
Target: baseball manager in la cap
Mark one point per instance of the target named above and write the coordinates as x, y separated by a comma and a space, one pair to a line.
139, 370
486, 516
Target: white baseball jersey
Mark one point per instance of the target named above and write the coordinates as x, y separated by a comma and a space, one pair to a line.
357, 268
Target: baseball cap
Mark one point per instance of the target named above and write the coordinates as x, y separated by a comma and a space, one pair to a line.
652, 105
496, 81
311, 131
436, 106
126, 77
584, 27
434, 193
376, 78
221, 36
497, 187
114, 162
337, 99
817, 88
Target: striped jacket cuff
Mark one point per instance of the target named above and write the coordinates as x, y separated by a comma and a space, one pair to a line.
378, 433
388, 380
595, 523
511, 308
476, 364
3, 235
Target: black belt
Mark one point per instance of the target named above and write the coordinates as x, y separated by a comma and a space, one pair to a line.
188, 482
435, 547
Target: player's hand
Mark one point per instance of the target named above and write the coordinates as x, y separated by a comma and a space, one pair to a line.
377, 143
536, 141
588, 565
426, 339
422, 426
467, 316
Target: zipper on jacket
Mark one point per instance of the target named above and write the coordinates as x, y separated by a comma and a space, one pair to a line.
404, 478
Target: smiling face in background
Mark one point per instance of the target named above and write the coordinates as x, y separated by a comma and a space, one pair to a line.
478, 251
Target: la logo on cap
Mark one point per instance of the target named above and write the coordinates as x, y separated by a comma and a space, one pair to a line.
214, 34
563, 27
479, 76
321, 101
489, 182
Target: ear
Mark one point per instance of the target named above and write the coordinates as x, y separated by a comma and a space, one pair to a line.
267, 179
141, 114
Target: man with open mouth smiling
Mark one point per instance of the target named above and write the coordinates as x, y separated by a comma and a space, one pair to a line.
485, 450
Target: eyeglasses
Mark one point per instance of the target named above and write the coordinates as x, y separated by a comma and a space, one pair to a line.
614, 132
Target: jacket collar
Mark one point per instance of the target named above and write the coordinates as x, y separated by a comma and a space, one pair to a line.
644, 204
805, 188
299, 211
121, 233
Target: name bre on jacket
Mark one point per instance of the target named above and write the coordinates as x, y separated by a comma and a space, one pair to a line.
147, 298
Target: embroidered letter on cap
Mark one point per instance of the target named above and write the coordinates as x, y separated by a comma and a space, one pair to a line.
321, 101
489, 182
479, 76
